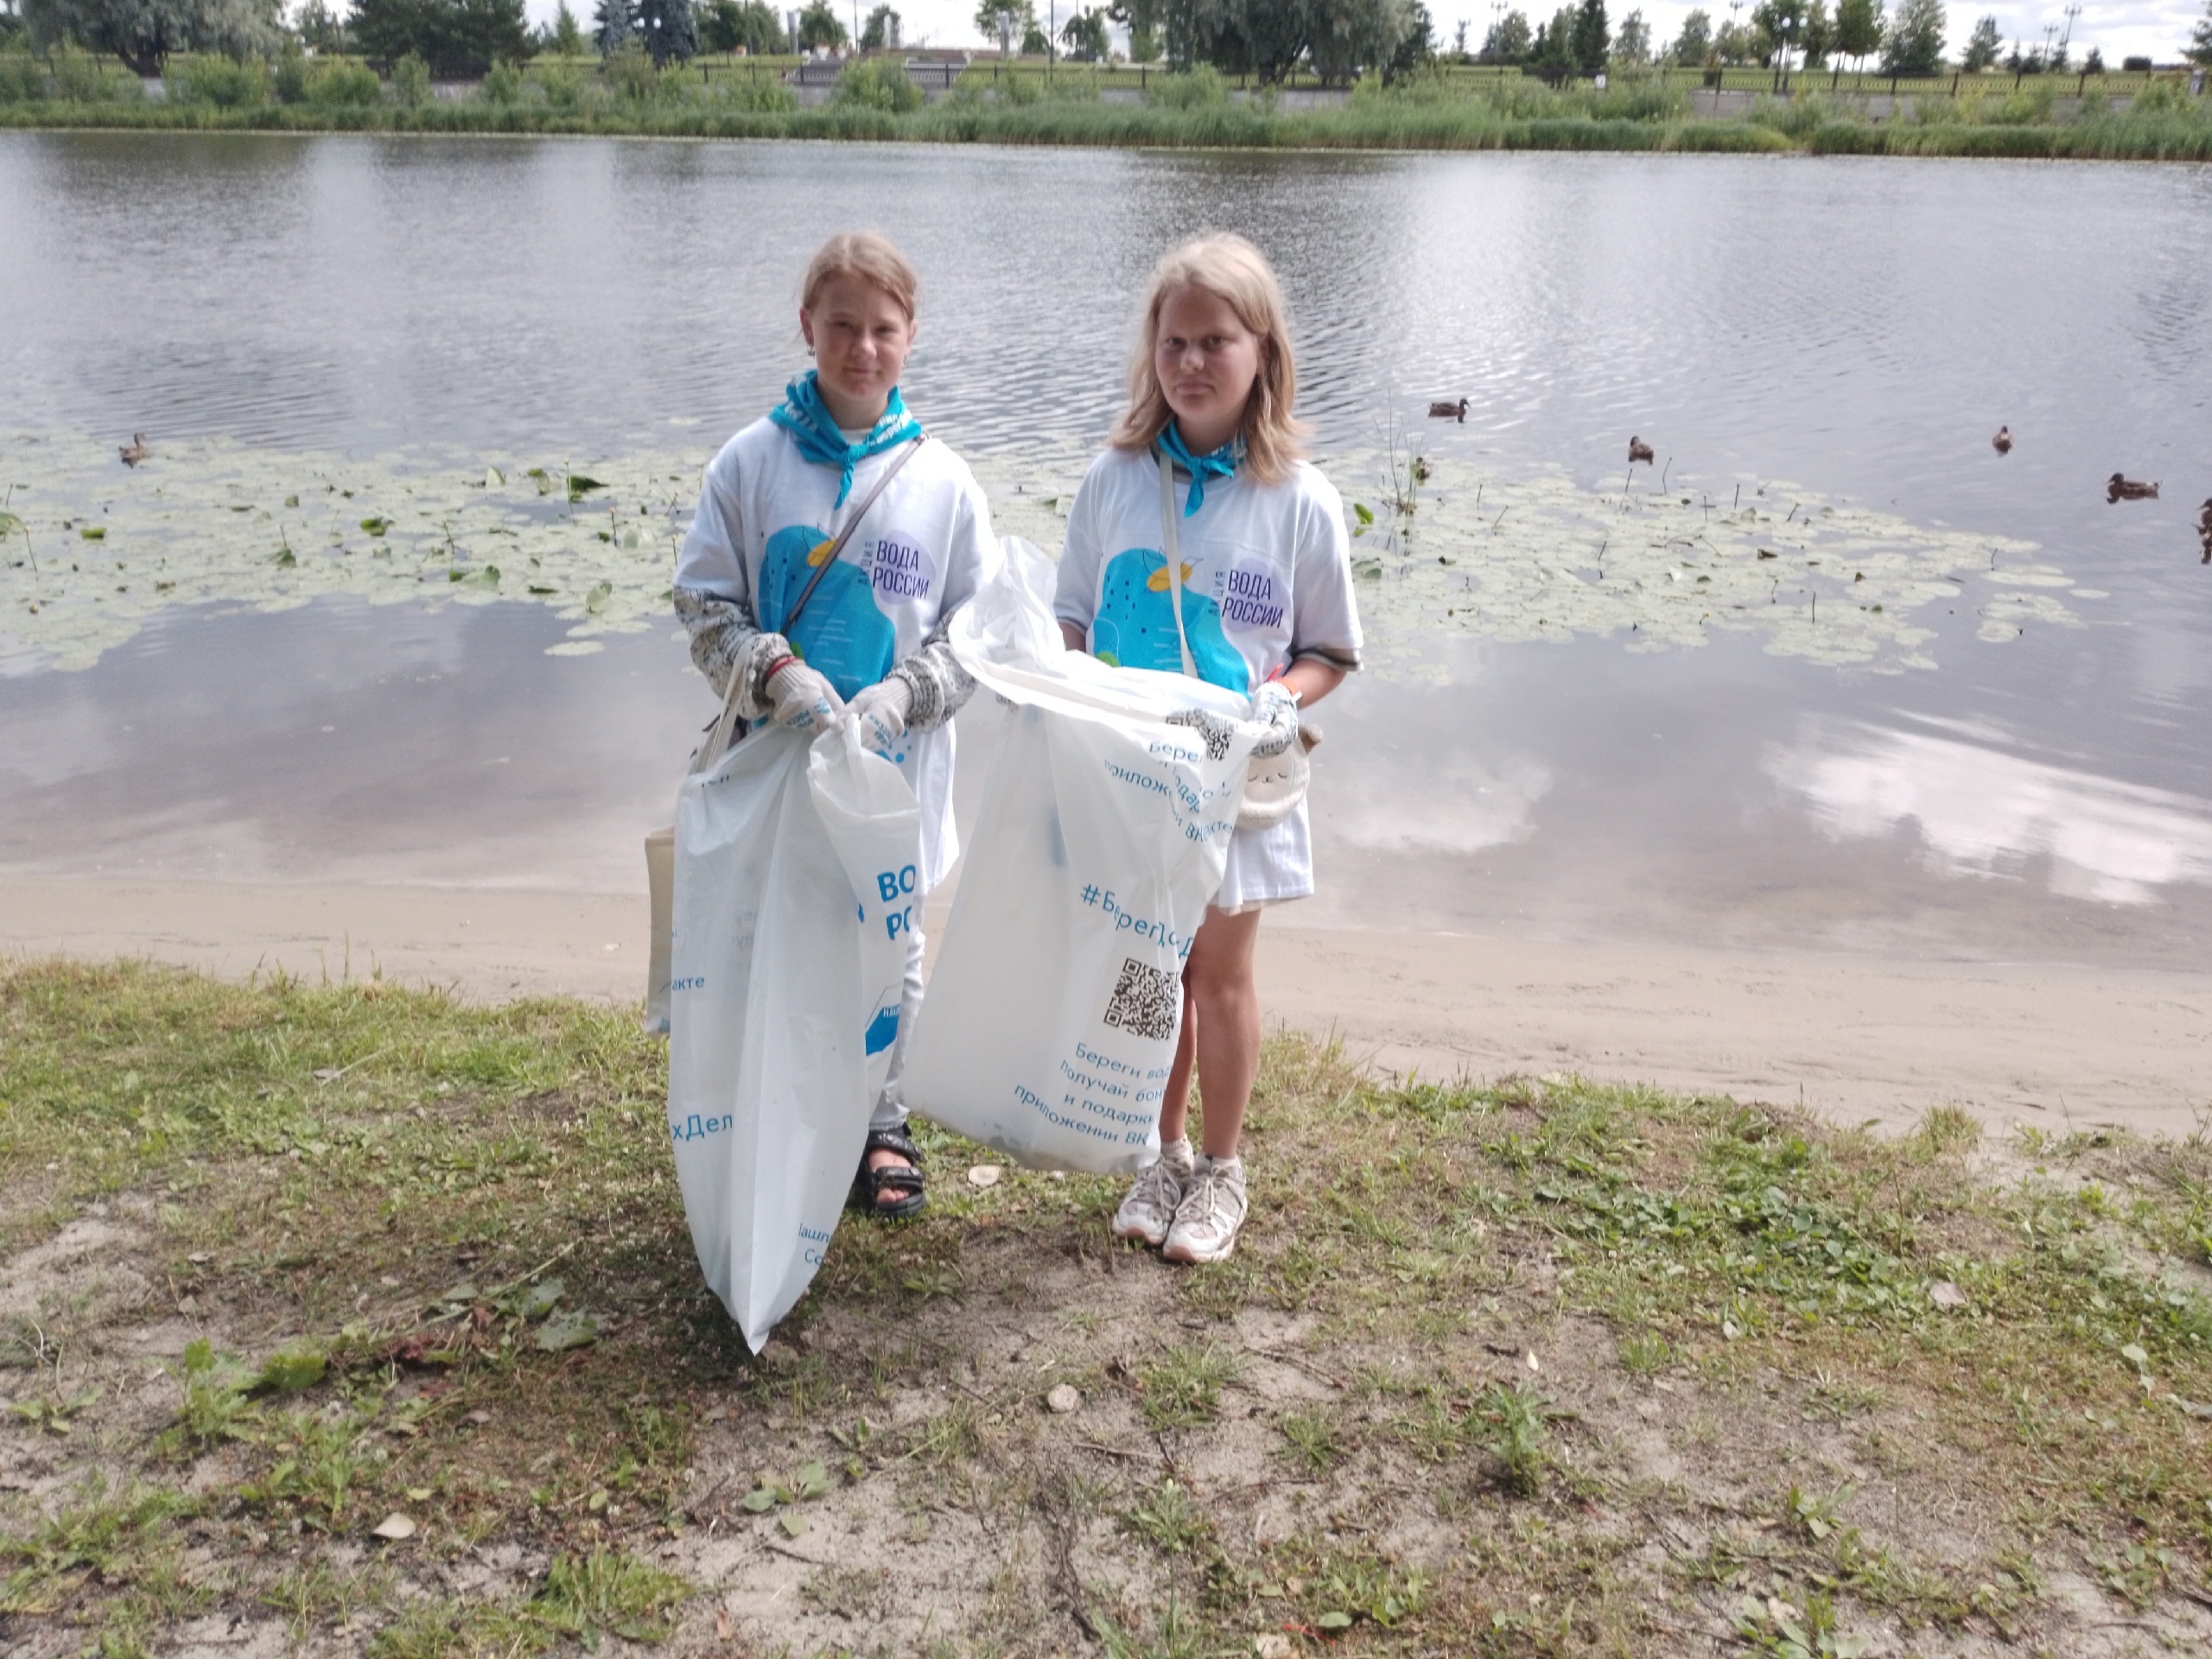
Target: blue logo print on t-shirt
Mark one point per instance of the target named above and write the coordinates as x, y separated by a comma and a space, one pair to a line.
1136, 623
841, 634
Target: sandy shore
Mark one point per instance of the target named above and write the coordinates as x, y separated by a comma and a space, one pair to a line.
1852, 1037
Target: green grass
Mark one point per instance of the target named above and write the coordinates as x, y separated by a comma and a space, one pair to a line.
362, 1210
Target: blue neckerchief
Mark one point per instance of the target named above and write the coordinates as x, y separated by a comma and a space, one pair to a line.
802, 414
1217, 463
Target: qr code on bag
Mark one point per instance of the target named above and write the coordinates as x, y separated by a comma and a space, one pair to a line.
1146, 1001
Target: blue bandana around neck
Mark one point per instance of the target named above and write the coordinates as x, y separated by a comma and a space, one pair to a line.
804, 415
1214, 463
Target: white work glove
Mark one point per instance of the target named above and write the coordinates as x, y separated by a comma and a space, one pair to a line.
881, 710
1276, 707
800, 699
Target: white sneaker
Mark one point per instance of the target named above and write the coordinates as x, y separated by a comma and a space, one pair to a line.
1149, 1209
1212, 1210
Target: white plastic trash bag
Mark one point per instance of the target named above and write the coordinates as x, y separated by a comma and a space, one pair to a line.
795, 888
1056, 995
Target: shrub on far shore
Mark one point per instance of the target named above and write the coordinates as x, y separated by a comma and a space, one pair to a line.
503, 84
747, 95
1195, 89
411, 81
876, 83
78, 77
563, 81
337, 83
21, 82
223, 82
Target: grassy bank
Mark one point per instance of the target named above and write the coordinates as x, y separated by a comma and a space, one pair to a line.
353, 1319
2163, 124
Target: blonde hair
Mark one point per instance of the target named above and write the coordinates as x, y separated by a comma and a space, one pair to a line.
867, 256
1233, 270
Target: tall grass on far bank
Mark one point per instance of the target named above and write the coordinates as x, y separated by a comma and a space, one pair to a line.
875, 102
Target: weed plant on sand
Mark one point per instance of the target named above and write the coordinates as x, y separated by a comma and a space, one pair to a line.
348, 1308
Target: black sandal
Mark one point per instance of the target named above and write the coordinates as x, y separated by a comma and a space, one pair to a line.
870, 1184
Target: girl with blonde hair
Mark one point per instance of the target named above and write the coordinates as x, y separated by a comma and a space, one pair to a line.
831, 546
1207, 461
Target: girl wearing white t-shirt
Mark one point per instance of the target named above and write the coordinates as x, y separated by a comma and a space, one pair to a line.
811, 640
1266, 609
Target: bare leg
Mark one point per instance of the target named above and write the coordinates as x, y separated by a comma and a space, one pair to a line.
1221, 1033
891, 1106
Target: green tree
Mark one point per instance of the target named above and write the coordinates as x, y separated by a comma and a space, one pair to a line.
143, 33
1589, 38
1005, 21
1695, 44
1632, 45
752, 25
1416, 47
668, 30
1779, 23
1142, 19
1084, 36
1735, 44
1817, 39
1858, 30
2199, 50
1509, 38
1916, 38
881, 29
819, 25
566, 38
452, 37
320, 29
1551, 54
613, 24
1035, 44
1345, 36
1983, 46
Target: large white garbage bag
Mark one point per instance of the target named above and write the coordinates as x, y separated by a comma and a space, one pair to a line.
1056, 994
795, 878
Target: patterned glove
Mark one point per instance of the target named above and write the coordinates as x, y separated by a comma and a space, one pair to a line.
881, 710
801, 700
1274, 707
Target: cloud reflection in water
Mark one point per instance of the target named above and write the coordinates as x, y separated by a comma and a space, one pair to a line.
1982, 811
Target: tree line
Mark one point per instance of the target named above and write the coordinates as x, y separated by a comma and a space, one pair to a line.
1800, 33
1338, 41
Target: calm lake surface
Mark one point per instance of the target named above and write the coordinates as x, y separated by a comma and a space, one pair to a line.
2026, 776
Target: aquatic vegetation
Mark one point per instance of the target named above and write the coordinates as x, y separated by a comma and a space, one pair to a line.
89, 551
1541, 557
216, 521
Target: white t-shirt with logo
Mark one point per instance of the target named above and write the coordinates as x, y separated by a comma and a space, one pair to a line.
1266, 578
765, 515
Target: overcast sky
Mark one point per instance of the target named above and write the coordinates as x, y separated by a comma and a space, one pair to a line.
2155, 29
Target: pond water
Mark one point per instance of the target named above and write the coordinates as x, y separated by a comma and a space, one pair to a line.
1832, 672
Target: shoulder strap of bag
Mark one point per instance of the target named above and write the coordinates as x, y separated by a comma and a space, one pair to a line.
722, 732
838, 546
1173, 549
